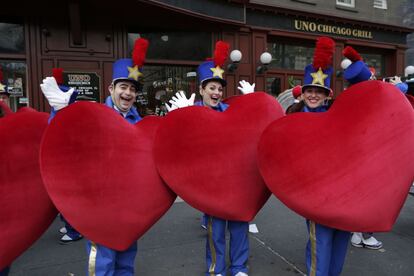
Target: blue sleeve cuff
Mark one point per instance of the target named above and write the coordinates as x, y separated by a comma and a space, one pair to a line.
402, 86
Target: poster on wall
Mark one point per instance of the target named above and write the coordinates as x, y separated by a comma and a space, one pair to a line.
86, 83
15, 87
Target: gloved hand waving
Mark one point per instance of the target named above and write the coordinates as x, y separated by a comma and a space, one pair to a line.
56, 97
245, 87
180, 101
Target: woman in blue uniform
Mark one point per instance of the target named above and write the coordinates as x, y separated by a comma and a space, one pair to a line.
327, 247
210, 75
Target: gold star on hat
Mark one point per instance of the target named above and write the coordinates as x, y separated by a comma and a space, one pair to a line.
217, 72
134, 73
2, 87
319, 77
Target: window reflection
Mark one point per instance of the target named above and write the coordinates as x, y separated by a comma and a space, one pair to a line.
290, 56
377, 61
11, 38
161, 83
195, 46
14, 78
273, 86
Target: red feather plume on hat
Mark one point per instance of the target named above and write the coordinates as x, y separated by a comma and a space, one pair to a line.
297, 91
324, 51
140, 51
221, 53
351, 54
58, 75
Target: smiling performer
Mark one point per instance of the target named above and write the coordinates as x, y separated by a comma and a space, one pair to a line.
126, 82
212, 83
210, 75
327, 247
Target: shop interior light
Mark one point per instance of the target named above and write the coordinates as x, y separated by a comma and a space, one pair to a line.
235, 57
265, 59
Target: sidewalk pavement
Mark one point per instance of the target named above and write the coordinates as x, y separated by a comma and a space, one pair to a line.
175, 246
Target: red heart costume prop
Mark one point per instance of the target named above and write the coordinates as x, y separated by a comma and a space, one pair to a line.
349, 168
26, 209
100, 173
209, 158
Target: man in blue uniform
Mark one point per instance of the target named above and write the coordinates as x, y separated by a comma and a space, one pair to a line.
104, 261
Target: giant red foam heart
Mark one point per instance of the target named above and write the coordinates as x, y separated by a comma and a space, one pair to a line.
209, 158
349, 168
26, 210
99, 172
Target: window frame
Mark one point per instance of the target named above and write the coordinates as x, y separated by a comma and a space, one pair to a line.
380, 4
342, 4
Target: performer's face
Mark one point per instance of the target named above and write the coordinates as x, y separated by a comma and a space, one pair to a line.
314, 96
123, 95
212, 93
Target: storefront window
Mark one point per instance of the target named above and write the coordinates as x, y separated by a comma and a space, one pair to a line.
290, 56
274, 86
194, 46
377, 61
279, 83
11, 38
161, 83
14, 79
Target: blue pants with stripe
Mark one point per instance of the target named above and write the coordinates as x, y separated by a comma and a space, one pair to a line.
326, 250
216, 246
104, 261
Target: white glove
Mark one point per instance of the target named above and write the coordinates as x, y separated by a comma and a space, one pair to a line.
56, 97
170, 108
396, 80
245, 87
180, 101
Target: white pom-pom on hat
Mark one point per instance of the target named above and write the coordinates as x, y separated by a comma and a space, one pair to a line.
345, 63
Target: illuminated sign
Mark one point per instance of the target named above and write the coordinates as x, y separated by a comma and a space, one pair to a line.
309, 26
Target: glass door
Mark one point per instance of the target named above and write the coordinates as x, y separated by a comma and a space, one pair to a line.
13, 88
161, 82
280, 86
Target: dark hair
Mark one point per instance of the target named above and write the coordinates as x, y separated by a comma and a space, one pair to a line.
138, 85
205, 82
298, 107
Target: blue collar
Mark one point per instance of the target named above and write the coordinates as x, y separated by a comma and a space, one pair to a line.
221, 107
132, 115
321, 108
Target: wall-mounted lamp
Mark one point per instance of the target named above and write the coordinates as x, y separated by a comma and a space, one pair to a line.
265, 59
235, 57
